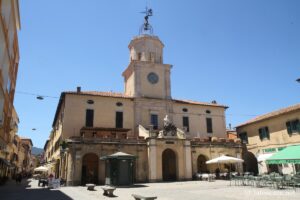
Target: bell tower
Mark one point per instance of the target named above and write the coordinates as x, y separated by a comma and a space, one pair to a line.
146, 74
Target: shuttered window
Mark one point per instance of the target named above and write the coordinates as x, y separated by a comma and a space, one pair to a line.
244, 137
119, 119
154, 121
264, 133
209, 125
293, 126
185, 122
89, 118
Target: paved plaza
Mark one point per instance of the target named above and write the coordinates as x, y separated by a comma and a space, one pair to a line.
189, 190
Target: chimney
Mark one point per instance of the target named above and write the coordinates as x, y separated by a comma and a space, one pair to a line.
78, 89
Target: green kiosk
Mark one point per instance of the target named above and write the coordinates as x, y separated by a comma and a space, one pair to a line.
119, 169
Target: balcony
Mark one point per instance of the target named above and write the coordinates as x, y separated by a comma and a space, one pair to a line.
102, 132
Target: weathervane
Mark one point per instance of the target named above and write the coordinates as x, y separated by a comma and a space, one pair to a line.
146, 27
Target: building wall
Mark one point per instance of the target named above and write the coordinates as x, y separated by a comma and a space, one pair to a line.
211, 151
129, 86
278, 133
76, 152
104, 113
197, 119
9, 59
279, 138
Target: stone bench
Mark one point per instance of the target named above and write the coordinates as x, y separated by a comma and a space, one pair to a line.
108, 190
90, 186
140, 197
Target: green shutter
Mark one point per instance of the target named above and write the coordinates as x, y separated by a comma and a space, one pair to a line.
298, 126
260, 134
267, 132
289, 128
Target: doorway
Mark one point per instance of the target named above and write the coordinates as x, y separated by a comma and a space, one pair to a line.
169, 165
89, 173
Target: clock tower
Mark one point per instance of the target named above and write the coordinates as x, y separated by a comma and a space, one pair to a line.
146, 75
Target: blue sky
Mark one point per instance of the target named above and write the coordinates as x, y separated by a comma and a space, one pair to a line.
244, 54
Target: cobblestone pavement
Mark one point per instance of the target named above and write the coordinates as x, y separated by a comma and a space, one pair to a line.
190, 190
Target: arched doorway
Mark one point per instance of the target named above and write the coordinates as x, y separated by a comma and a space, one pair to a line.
201, 164
89, 172
169, 165
250, 163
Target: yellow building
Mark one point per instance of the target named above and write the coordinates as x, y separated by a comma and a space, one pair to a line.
9, 60
269, 133
12, 146
170, 138
25, 161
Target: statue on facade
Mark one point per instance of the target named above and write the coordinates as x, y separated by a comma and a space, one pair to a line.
169, 127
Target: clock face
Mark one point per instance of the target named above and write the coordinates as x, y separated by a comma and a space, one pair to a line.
152, 77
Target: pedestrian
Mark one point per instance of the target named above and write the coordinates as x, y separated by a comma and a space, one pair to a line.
18, 178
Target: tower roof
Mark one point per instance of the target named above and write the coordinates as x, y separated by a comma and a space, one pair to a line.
144, 37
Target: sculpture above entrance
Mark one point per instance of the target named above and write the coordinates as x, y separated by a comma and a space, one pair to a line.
170, 130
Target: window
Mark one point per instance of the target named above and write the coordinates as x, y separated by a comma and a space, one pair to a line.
151, 56
207, 111
90, 101
119, 119
139, 56
209, 125
184, 109
185, 122
89, 118
244, 137
119, 104
154, 121
264, 133
293, 126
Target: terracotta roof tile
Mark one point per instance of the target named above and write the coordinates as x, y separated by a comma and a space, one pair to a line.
199, 103
271, 114
103, 94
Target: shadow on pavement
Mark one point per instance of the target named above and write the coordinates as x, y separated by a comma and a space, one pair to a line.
23, 191
133, 186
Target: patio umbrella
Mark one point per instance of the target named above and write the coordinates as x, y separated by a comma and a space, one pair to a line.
225, 159
41, 169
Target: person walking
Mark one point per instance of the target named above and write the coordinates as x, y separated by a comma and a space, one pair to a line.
19, 178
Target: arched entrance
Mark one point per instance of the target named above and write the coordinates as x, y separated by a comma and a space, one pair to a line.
89, 172
250, 162
169, 165
201, 164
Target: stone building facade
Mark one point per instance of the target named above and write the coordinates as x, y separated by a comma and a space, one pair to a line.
166, 135
268, 134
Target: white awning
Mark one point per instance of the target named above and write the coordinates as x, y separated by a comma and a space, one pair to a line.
263, 157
